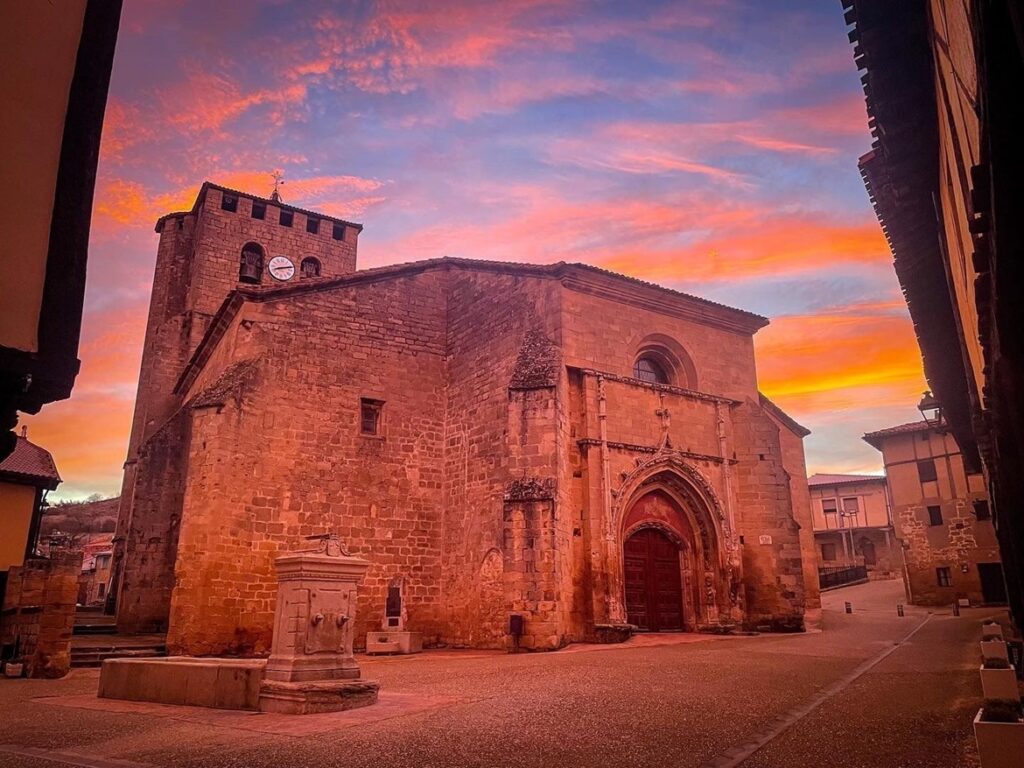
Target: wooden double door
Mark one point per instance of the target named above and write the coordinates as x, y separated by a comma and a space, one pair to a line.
654, 589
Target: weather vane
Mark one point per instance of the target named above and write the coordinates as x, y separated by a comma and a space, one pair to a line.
278, 177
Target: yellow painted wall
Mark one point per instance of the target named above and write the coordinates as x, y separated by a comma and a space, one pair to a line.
16, 504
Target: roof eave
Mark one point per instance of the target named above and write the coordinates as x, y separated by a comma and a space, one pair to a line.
37, 481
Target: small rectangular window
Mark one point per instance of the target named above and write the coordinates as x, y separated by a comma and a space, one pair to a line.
370, 416
229, 202
828, 552
101, 589
338, 232
312, 225
286, 218
935, 515
259, 210
981, 511
829, 506
926, 470
943, 577
851, 505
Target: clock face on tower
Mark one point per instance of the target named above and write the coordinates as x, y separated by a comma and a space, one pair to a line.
281, 268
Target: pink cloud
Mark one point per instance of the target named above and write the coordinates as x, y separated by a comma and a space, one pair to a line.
206, 101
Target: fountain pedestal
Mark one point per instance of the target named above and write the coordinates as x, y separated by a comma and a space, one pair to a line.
311, 666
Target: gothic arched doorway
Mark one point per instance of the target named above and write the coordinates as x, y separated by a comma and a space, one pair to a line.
654, 587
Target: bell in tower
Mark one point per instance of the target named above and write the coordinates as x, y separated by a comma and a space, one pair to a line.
251, 268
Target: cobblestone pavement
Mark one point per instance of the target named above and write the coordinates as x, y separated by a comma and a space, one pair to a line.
871, 690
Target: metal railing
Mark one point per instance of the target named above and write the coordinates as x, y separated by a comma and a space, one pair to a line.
842, 575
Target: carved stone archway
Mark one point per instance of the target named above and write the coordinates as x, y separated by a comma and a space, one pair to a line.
683, 481
709, 558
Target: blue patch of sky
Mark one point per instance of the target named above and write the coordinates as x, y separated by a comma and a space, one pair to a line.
811, 293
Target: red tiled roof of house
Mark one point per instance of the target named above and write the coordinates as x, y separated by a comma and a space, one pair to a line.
875, 438
820, 478
29, 464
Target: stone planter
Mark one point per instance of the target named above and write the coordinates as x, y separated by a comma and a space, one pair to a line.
999, 683
994, 649
991, 632
1000, 745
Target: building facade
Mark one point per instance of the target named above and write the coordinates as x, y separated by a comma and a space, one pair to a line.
942, 81
559, 442
942, 517
853, 524
26, 476
97, 557
37, 591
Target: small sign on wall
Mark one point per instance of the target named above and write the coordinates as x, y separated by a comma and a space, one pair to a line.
764, 539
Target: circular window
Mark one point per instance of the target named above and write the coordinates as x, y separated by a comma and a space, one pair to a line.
648, 369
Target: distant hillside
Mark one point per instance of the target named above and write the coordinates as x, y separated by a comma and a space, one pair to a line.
81, 517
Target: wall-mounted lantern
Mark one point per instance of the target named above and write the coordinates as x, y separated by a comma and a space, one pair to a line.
931, 409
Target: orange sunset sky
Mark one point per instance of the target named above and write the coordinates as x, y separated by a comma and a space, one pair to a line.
709, 146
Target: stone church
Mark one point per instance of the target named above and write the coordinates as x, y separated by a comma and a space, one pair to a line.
558, 442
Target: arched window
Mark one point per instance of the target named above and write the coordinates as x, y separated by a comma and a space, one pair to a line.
250, 269
660, 359
309, 267
648, 368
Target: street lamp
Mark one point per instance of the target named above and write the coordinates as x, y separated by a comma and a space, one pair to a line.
931, 409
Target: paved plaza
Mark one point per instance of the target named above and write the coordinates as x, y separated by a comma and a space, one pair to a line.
869, 690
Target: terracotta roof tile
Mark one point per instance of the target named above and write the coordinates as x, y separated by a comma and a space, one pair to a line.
30, 465
819, 479
556, 269
875, 438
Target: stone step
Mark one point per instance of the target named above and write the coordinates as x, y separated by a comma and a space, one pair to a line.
95, 629
94, 656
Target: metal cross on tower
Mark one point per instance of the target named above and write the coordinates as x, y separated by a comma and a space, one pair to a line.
278, 177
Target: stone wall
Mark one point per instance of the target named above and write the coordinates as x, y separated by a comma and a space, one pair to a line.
795, 467
278, 455
772, 563
39, 611
499, 430
222, 234
150, 528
